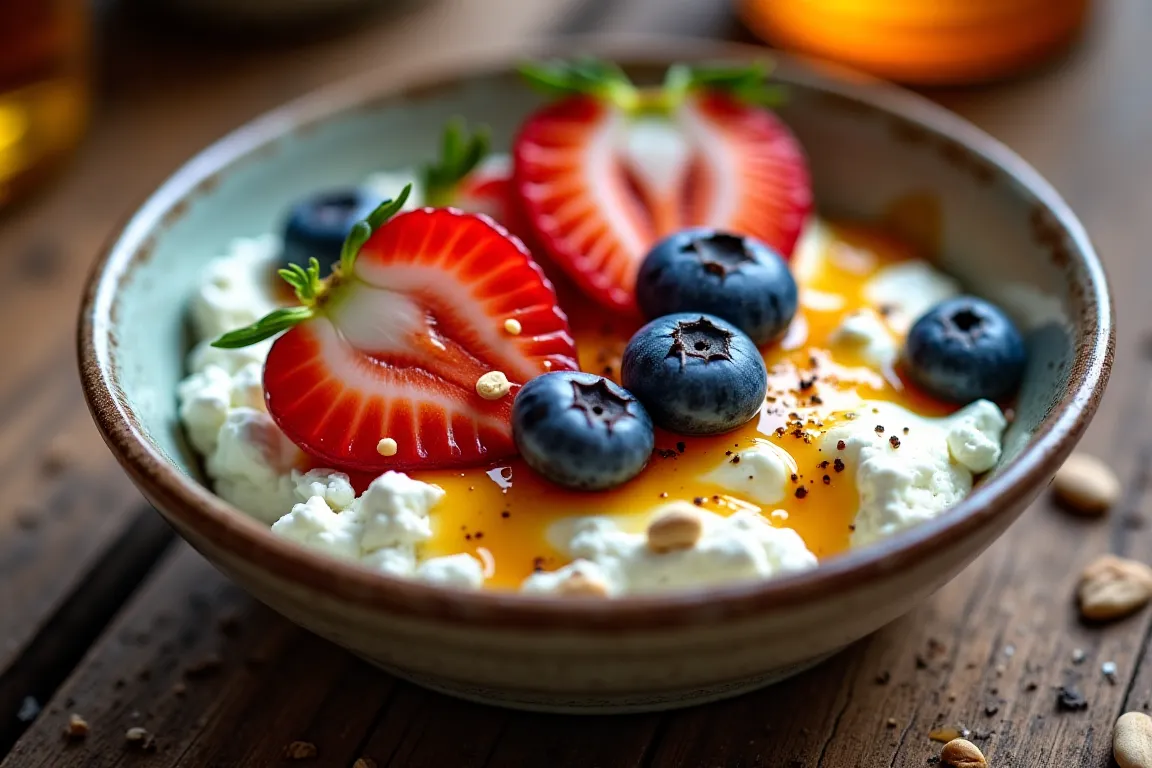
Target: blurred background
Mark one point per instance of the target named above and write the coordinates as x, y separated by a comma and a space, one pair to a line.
191, 69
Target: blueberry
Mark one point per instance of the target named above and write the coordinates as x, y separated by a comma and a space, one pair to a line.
318, 224
581, 431
735, 278
696, 374
965, 349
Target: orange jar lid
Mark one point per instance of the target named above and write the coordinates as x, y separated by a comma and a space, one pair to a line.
942, 42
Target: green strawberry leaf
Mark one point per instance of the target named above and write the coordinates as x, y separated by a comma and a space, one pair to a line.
747, 82
264, 328
589, 76
459, 156
363, 230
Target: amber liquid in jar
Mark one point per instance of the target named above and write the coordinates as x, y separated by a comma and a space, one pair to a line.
43, 88
922, 42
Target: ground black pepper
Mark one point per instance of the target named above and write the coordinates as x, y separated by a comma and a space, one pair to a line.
838, 465
894, 441
879, 429
840, 445
681, 446
801, 492
827, 480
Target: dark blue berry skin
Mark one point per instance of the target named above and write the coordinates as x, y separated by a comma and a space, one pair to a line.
696, 374
318, 224
735, 278
965, 349
581, 431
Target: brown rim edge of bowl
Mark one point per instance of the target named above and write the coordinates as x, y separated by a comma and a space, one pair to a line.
195, 507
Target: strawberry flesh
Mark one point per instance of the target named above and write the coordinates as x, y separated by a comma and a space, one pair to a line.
396, 351
596, 195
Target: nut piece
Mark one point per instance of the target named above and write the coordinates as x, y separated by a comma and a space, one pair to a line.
1132, 740
961, 753
580, 584
364, 762
141, 738
1086, 485
77, 727
300, 750
387, 447
512, 327
1113, 587
676, 526
493, 385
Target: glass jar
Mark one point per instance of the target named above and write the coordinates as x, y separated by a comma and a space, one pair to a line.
43, 88
923, 42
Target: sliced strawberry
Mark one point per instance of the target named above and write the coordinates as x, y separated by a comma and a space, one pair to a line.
602, 175
393, 344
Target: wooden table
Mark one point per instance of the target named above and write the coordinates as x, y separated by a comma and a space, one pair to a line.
104, 614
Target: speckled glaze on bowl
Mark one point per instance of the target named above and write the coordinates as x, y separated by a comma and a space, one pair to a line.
875, 151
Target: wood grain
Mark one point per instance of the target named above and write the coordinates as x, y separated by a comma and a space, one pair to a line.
988, 652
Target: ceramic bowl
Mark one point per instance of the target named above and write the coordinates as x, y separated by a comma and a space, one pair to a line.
875, 152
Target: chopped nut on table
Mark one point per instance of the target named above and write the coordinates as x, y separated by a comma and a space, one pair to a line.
1132, 740
1112, 587
364, 762
1086, 485
960, 753
948, 733
141, 738
300, 750
77, 727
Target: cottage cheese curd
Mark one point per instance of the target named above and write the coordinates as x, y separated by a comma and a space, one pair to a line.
741, 547
773, 496
908, 468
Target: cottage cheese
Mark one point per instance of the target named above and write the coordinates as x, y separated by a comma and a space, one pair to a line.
382, 529
742, 547
930, 471
866, 334
760, 474
907, 290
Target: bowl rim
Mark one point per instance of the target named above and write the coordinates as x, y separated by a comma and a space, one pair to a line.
193, 506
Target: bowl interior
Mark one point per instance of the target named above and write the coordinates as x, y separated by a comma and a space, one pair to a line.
876, 154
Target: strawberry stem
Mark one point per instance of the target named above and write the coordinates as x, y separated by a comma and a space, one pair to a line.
310, 289
362, 230
606, 81
459, 156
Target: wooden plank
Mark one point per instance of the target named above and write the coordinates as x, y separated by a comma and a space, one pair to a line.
216, 678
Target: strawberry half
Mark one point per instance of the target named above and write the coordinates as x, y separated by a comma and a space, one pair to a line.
393, 343
610, 169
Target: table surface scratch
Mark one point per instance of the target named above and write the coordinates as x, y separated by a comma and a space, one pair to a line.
104, 614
